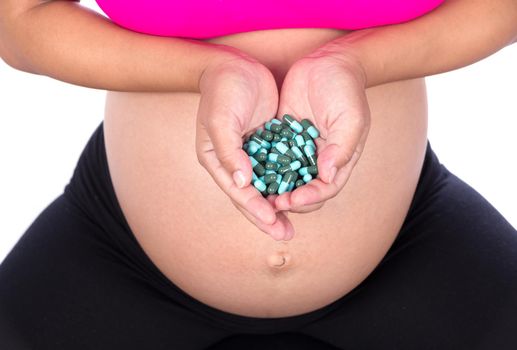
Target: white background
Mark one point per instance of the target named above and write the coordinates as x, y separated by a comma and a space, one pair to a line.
45, 123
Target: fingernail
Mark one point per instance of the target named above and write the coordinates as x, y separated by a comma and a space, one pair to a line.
238, 177
332, 174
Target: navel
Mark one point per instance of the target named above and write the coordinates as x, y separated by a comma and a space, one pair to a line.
279, 260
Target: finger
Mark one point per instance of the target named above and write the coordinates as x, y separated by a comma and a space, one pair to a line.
282, 229
247, 197
284, 203
225, 133
318, 191
345, 140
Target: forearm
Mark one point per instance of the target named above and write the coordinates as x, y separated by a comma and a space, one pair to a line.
65, 41
456, 34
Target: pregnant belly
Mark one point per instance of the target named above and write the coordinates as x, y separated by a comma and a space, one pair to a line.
204, 245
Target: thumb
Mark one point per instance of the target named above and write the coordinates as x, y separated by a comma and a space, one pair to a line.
345, 139
227, 143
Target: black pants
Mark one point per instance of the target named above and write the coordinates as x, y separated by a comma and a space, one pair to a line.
77, 279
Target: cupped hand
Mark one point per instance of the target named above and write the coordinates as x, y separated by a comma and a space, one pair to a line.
238, 95
328, 88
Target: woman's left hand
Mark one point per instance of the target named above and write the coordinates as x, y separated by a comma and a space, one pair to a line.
327, 87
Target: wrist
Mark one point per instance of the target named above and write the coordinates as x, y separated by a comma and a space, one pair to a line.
229, 62
346, 57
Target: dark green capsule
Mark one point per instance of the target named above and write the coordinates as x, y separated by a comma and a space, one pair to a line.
310, 128
260, 157
276, 128
272, 188
313, 170
293, 123
299, 183
263, 143
272, 166
257, 167
284, 169
270, 178
292, 143
306, 136
267, 135
288, 133
276, 137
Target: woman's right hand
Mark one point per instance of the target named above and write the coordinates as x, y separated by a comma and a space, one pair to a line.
238, 95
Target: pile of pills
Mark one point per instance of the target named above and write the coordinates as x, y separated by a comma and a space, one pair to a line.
283, 155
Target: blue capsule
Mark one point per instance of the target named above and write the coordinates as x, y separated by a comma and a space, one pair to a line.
272, 122
261, 142
260, 185
293, 123
310, 153
309, 127
310, 143
299, 140
253, 147
307, 178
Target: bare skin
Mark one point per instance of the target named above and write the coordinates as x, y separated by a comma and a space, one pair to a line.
182, 217
205, 245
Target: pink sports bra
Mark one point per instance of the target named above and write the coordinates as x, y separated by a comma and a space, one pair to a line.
211, 18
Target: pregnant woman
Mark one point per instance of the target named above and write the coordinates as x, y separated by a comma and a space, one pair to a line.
159, 241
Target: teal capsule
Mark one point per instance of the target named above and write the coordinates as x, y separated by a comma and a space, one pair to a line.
291, 167
281, 147
274, 150
293, 123
291, 143
290, 187
286, 181
259, 185
253, 147
270, 172
310, 153
299, 183
276, 138
300, 156
300, 142
278, 179
272, 165
310, 143
309, 127
287, 133
259, 131
267, 135
279, 158
313, 170
257, 167
271, 123
307, 178
254, 177
260, 141
270, 178
295, 165
272, 188
306, 136
245, 146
